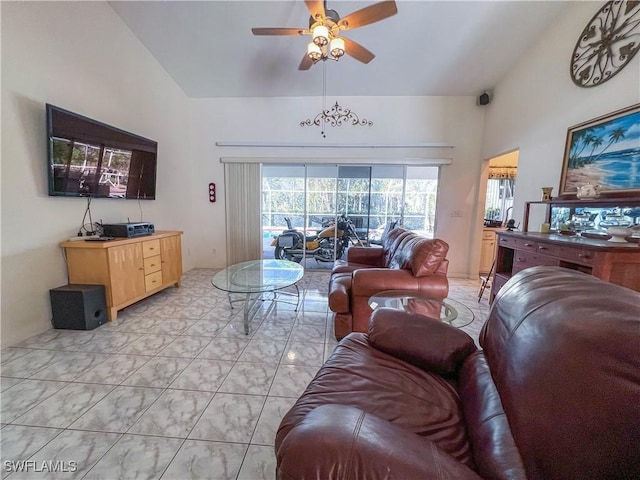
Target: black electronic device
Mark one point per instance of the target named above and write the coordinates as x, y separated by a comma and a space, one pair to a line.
87, 158
78, 307
128, 230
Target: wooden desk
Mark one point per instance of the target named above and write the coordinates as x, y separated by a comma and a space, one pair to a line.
131, 269
617, 263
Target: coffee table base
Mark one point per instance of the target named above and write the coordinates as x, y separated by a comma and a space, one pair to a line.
253, 301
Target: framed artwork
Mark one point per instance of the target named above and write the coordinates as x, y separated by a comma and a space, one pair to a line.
604, 151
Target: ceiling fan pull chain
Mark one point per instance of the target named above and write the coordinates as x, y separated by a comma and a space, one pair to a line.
324, 94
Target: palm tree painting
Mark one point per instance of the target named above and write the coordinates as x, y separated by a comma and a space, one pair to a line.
604, 151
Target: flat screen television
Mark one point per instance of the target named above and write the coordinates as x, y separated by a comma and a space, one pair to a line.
88, 158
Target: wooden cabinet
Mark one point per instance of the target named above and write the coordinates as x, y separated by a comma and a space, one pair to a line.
488, 250
130, 269
617, 263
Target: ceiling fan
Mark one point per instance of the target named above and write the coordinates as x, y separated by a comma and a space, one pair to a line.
325, 26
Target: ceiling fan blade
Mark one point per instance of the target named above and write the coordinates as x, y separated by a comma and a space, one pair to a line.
357, 51
316, 8
371, 14
305, 63
278, 31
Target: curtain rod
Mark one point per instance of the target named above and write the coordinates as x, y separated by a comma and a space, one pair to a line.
338, 161
241, 143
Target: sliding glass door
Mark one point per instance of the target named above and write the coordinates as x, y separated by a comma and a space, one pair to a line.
301, 205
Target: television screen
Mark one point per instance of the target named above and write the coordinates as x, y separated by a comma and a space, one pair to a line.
90, 159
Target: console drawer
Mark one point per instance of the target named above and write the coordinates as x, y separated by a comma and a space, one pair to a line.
152, 264
547, 249
524, 259
578, 255
150, 248
153, 281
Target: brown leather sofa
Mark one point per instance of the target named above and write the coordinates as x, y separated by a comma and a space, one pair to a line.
553, 395
406, 261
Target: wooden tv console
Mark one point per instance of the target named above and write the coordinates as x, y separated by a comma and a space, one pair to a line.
131, 269
617, 263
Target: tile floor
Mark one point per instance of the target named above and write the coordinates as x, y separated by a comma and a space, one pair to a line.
173, 389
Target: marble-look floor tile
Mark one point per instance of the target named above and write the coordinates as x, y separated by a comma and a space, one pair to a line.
158, 372
270, 418
222, 348
6, 382
312, 318
259, 464
19, 442
308, 333
222, 313
299, 353
229, 418
22, 397
251, 378
235, 329
110, 342
9, 354
70, 366
273, 332
119, 410
31, 363
65, 406
114, 370
173, 415
206, 461
40, 340
204, 375
291, 380
147, 344
206, 328
262, 351
166, 326
328, 350
83, 448
134, 456
185, 346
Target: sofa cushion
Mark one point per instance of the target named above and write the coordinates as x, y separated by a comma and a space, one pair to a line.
340, 292
424, 342
427, 256
344, 442
401, 258
562, 347
373, 381
494, 449
394, 239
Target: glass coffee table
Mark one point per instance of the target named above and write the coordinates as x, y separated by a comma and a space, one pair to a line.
448, 310
259, 281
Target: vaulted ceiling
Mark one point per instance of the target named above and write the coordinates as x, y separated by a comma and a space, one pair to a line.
427, 48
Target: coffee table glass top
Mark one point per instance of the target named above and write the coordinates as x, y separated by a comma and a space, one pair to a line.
258, 276
448, 310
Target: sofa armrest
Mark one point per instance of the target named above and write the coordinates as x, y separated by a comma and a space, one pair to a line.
424, 342
369, 281
366, 256
343, 442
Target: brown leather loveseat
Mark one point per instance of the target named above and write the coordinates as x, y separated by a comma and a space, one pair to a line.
406, 261
553, 395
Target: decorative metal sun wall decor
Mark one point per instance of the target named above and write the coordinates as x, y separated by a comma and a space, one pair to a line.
336, 116
607, 43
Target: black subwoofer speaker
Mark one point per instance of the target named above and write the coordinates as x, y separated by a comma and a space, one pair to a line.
78, 307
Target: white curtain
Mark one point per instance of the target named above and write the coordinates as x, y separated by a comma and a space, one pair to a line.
242, 198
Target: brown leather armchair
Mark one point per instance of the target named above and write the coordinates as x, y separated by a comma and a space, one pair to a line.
406, 261
553, 395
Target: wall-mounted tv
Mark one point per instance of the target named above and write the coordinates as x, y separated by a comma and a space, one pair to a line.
88, 158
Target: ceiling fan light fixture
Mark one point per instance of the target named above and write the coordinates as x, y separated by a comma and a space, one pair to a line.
320, 35
314, 52
337, 47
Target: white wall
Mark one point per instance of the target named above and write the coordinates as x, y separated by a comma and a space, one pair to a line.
454, 120
81, 57
537, 101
